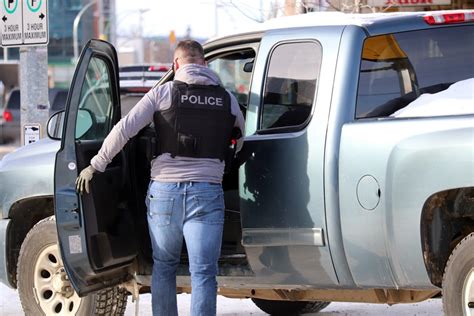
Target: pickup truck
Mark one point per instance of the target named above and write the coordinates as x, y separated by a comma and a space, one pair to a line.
332, 197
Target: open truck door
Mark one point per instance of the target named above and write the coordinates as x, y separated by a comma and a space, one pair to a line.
95, 230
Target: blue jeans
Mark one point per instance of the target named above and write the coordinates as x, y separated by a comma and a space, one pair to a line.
194, 210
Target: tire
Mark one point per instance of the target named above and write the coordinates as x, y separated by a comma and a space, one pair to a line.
289, 308
458, 279
43, 285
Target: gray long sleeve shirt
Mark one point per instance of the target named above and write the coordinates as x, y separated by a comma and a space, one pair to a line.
164, 167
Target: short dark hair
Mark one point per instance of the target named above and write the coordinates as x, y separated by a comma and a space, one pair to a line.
190, 51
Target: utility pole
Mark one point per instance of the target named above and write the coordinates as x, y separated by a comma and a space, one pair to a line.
141, 53
103, 10
357, 6
34, 111
113, 23
290, 7
216, 22
75, 36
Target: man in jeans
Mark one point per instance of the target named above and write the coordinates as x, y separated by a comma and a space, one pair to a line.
194, 118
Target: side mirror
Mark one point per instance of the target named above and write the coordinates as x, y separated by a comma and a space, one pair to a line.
84, 122
55, 125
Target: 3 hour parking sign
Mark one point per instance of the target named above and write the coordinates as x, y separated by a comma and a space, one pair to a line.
12, 24
35, 22
24, 22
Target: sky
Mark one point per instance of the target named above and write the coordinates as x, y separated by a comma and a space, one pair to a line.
159, 17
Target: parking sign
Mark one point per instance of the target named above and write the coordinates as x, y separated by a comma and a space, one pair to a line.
12, 27
35, 22
24, 22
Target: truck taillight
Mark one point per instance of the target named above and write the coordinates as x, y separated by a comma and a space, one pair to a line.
449, 18
7, 116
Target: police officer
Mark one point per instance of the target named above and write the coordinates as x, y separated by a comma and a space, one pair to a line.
193, 116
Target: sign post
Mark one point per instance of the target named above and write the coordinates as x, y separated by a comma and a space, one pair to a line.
24, 24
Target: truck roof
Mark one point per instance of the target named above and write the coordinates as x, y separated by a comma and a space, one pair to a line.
340, 18
374, 23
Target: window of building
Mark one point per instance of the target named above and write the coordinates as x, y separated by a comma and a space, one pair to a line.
290, 85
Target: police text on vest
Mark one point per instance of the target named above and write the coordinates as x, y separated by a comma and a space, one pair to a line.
193, 99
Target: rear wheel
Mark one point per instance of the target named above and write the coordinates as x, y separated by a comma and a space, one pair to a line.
289, 308
458, 280
43, 284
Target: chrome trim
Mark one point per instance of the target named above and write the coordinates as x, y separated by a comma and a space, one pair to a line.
271, 237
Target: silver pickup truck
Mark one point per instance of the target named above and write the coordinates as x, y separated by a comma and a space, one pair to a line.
333, 197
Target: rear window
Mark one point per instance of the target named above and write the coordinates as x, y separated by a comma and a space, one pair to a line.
397, 68
14, 100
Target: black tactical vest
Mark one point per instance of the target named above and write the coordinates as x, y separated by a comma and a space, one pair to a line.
198, 124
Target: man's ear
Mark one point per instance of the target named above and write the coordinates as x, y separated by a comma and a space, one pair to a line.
176, 64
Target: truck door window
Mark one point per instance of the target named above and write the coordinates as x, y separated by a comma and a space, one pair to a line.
96, 98
290, 85
233, 73
397, 68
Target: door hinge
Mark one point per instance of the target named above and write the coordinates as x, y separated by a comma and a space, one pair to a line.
69, 219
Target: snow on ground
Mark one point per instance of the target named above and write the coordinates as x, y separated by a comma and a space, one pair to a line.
10, 306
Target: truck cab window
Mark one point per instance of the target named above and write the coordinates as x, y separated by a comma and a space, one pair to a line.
397, 68
290, 84
234, 74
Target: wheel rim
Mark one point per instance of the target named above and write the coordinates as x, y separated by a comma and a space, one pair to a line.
52, 289
468, 294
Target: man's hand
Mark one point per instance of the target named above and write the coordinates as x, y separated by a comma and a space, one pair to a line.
82, 182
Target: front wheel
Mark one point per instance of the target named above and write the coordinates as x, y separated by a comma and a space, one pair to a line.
458, 280
289, 308
44, 286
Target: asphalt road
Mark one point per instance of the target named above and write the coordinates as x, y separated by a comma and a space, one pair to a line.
10, 303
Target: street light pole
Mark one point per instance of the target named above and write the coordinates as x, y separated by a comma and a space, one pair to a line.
75, 27
141, 57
